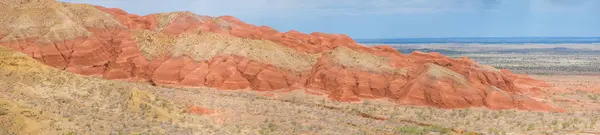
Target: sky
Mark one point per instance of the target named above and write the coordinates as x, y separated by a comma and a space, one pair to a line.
368, 19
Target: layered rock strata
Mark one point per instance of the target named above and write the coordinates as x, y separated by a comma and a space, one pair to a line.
185, 49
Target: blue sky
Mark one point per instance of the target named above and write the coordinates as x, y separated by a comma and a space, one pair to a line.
396, 18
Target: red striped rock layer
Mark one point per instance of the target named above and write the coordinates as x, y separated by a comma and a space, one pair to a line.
431, 79
113, 55
110, 53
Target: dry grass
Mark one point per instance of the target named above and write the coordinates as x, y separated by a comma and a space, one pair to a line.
439, 72
204, 46
315, 112
51, 21
153, 44
364, 61
61, 102
89, 16
17, 119
165, 19
572, 83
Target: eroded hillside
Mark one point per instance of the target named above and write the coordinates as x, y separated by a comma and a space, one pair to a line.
185, 49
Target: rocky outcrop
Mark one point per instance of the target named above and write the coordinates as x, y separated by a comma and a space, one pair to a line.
179, 49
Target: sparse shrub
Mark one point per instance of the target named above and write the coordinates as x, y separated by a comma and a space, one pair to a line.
530, 127
494, 131
411, 130
440, 129
470, 133
566, 125
3, 111
270, 127
423, 130
593, 97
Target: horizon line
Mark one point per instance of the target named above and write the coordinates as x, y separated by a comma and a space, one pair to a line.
478, 37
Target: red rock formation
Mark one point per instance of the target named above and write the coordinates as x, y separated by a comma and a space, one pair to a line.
431, 78
224, 72
132, 21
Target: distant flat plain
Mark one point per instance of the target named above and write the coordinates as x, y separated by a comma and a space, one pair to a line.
533, 59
